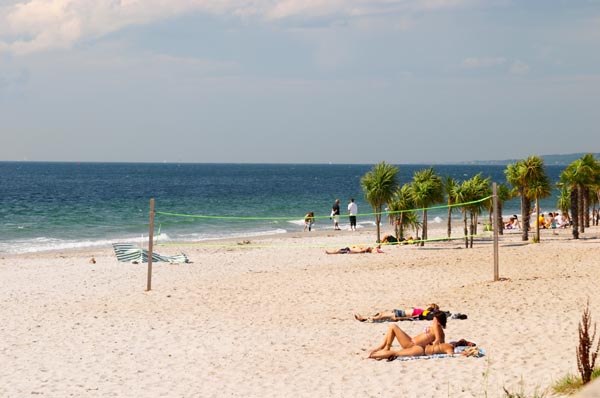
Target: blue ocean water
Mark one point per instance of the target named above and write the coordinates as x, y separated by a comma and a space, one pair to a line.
50, 206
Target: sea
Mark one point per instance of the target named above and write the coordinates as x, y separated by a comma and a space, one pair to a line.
48, 206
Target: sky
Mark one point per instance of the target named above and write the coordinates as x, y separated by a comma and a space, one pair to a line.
290, 81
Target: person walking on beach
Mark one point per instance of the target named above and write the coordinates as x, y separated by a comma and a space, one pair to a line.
335, 214
352, 212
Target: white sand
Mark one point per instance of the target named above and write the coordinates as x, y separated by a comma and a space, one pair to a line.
278, 321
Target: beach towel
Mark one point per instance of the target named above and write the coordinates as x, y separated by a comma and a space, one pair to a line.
477, 352
130, 253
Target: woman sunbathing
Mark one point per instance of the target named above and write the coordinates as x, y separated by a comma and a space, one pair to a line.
431, 341
355, 249
399, 315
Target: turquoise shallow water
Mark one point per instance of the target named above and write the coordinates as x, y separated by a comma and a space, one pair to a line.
49, 206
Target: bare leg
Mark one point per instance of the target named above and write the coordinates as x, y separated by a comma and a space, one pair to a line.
387, 316
415, 350
394, 332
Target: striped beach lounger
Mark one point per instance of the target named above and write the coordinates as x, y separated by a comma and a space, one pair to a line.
126, 252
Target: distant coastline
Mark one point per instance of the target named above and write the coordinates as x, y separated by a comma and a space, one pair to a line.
558, 160
549, 160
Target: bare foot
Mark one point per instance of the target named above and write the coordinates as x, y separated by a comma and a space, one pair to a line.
372, 352
359, 317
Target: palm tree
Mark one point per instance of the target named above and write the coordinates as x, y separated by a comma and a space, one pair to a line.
563, 202
411, 220
450, 187
470, 191
514, 176
477, 188
379, 186
573, 177
537, 190
401, 210
592, 184
578, 175
461, 195
521, 175
504, 194
427, 189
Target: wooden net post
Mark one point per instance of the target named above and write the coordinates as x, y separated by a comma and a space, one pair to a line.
150, 244
496, 228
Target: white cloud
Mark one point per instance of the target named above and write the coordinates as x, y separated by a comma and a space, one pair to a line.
519, 68
37, 25
482, 62
287, 8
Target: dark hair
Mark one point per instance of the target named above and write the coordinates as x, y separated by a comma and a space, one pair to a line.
441, 317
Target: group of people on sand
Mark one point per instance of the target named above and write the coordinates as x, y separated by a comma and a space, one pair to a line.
549, 220
552, 220
431, 341
309, 218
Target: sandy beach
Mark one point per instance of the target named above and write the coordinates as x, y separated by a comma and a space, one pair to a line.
275, 318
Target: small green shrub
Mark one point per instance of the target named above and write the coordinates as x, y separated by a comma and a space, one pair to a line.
586, 355
570, 384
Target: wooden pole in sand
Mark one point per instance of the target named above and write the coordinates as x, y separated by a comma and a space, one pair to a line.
495, 227
150, 242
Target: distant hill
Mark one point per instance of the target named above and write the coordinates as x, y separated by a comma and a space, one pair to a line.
560, 160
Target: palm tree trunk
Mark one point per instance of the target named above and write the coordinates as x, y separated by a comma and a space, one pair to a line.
472, 228
466, 232
449, 220
424, 227
574, 213
526, 218
581, 209
500, 223
586, 206
537, 220
401, 235
377, 222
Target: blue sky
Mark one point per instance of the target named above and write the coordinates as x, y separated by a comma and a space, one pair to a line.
313, 81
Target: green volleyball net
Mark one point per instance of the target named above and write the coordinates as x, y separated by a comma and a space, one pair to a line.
390, 215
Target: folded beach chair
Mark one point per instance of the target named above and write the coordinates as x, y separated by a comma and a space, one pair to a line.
126, 252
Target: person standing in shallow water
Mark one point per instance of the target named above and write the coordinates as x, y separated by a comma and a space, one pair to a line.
309, 220
335, 214
352, 212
